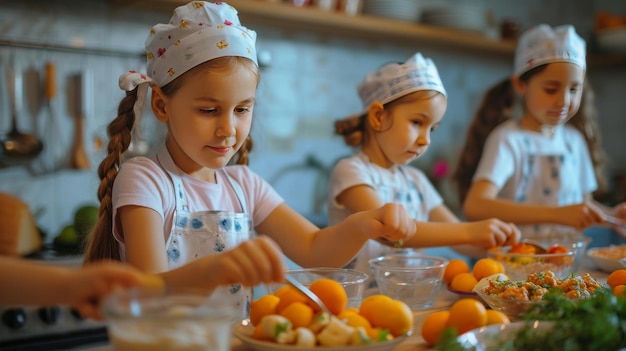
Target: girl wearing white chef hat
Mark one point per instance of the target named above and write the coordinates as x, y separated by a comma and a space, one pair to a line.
196, 200
535, 170
403, 103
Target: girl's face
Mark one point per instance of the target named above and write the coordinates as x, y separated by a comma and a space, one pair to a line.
552, 96
209, 117
404, 132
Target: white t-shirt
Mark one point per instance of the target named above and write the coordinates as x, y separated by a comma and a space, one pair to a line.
400, 184
143, 182
529, 167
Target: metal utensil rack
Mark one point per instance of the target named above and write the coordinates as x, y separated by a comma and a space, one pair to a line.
69, 48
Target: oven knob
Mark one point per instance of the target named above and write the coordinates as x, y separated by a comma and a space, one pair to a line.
76, 314
49, 315
14, 318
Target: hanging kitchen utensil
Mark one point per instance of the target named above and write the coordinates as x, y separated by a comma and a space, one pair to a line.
80, 160
53, 158
17, 147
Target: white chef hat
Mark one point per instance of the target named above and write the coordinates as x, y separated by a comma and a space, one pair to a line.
395, 80
197, 32
544, 44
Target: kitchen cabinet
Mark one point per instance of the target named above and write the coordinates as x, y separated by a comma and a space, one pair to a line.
310, 19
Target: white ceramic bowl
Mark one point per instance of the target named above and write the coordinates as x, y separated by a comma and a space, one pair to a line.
492, 337
606, 258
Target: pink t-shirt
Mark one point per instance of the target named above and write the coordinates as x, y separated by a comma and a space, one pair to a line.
143, 182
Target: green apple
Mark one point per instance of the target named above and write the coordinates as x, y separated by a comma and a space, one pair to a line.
68, 237
85, 219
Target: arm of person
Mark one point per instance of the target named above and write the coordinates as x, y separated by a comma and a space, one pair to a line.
442, 213
447, 232
251, 263
142, 229
336, 245
30, 283
482, 203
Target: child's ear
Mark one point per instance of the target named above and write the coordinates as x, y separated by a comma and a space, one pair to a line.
375, 115
518, 85
158, 102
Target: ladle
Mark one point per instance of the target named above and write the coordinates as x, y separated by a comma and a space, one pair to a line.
17, 147
539, 249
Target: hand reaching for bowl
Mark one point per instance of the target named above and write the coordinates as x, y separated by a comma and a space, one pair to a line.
492, 232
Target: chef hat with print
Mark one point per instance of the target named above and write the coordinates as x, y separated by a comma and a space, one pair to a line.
544, 44
395, 80
198, 32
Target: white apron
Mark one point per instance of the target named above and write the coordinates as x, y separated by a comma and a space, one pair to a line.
198, 234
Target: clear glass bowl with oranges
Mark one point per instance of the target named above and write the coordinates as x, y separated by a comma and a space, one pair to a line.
521, 259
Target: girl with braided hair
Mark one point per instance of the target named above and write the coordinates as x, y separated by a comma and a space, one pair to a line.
189, 212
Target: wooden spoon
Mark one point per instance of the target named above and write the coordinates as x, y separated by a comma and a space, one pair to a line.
80, 160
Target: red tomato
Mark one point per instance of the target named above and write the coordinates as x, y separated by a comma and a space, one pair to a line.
557, 249
524, 249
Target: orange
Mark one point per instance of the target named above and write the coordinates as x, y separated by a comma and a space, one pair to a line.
616, 278
257, 333
378, 334
619, 290
486, 267
332, 294
355, 320
282, 290
373, 306
454, 267
497, 317
521, 248
433, 326
396, 316
288, 296
263, 306
299, 314
464, 282
467, 314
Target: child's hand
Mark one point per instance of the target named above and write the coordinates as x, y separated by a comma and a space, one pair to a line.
87, 287
251, 263
619, 212
493, 232
391, 221
579, 216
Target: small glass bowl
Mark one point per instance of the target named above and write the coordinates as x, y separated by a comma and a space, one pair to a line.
511, 307
154, 319
519, 266
353, 281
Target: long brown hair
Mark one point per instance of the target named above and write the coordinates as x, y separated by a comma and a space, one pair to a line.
497, 106
101, 244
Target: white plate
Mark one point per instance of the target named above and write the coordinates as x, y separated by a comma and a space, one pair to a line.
244, 333
603, 263
492, 336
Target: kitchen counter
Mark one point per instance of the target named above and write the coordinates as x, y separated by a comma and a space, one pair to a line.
415, 342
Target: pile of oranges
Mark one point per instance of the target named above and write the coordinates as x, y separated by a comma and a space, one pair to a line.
464, 315
380, 317
458, 275
617, 282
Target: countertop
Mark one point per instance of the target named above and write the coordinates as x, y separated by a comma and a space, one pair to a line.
415, 342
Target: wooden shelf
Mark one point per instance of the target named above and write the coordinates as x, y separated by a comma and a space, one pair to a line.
310, 19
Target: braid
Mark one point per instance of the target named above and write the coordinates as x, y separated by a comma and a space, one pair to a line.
496, 107
101, 244
352, 129
242, 155
586, 121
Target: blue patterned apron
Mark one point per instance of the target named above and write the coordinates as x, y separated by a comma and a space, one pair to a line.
198, 234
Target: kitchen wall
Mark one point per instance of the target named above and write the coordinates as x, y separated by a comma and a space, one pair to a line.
308, 82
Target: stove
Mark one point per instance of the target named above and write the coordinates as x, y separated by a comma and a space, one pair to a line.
43, 328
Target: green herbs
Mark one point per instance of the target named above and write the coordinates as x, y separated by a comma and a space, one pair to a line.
594, 324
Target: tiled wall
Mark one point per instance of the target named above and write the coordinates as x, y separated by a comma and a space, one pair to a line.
310, 81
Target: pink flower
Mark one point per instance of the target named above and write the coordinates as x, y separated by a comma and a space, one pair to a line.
440, 169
